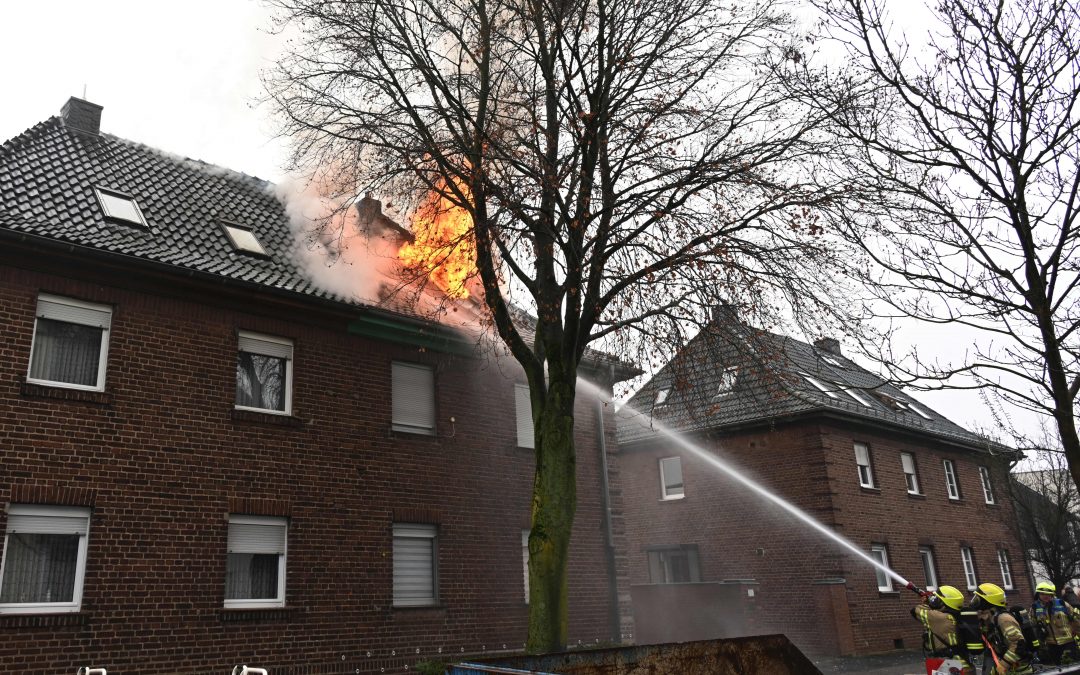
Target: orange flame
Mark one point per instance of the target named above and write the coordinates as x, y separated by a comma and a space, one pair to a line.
444, 249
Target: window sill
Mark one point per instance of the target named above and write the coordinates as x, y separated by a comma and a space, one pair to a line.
33, 390
870, 490
664, 500
257, 613
917, 495
414, 432
43, 620
266, 418
955, 501
888, 594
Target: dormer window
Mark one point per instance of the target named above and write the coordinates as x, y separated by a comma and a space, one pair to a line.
243, 239
119, 206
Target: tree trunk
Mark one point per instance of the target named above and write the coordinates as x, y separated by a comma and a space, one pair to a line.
553, 506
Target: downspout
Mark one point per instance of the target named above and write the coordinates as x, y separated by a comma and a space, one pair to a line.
609, 537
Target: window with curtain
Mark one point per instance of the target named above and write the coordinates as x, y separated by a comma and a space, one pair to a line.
255, 568
264, 373
415, 569
526, 438
44, 559
413, 398
70, 345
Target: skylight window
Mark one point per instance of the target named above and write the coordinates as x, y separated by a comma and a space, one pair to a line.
859, 396
119, 206
820, 386
831, 361
919, 411
662, 396
243, 239
728, 378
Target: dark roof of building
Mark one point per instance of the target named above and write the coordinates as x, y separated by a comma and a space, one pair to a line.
48, 177
731, 376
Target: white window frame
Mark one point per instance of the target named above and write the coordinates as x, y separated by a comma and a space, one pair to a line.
729, 377
665, 495
820, 386
880, 553
525, 561
952, 483
987, 486
404, 415
404, 531
103, 196
39, 511
68, 310
1006, 569
262, 521
243, 238
863, 462
911, 476
918, 410
269, 345
926, 556
526, 435
967, 557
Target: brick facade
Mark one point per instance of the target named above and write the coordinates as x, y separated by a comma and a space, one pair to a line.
161, 457
827, 601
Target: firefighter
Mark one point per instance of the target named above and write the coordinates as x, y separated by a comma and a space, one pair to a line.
1010, 651
1057, 621
939, 613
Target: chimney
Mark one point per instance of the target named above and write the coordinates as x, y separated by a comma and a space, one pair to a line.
724, 313
828, 345
81, 115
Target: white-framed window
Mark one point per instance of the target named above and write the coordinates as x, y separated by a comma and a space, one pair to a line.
264, 373
255, 567
44, 559
671, 478
415, 569
728, 378
119, 206
413, 398
926, 554
919, 410
71, 343
907, 462
828, 390
662, 396
968, 558
952, 485
525, 561
862, 461
860, 396
526, 437
674, 564
1006, 570
987, 486
242, 238
881, 554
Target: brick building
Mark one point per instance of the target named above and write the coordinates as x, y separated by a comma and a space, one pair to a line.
895, 478
207, 460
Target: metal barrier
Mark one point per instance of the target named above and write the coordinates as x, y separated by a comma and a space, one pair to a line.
87, 670
245, 670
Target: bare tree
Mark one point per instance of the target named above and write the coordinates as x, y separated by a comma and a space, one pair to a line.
1048, 516
623, 164
965, 201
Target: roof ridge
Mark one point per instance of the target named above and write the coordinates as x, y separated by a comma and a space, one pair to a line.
208, 168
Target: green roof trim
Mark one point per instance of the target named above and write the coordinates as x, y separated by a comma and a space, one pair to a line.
428, 336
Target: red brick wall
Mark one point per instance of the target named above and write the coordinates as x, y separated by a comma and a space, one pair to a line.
162, 459
798, 571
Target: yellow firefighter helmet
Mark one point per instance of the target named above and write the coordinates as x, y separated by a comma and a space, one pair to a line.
991, 594
951, 596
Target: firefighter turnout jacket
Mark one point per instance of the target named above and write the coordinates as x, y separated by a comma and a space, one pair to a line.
1058, 620
1007, 639
940, 637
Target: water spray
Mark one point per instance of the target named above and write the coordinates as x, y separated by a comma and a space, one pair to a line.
762, 491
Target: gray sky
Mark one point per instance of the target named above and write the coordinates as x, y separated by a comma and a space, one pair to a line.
184, 77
